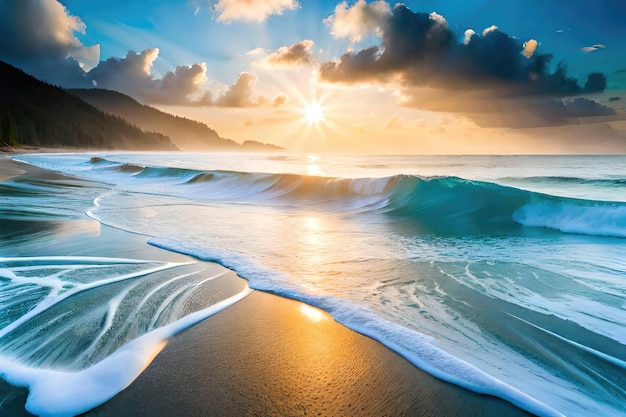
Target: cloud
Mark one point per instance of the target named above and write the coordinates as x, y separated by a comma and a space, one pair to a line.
421, 49
592, 48
290, 56
584, 107
279, 100
412, 42
36, 29
251, 11
529, 48
255, 51
186, 85
519, 112
40, 37
183, 86
437, 72
491, 28
359, 20
133, 75
238, 94
468, 36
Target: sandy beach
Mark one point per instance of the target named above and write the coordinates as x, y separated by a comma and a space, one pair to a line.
263, 356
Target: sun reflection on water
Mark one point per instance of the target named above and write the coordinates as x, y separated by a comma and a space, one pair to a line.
313, 168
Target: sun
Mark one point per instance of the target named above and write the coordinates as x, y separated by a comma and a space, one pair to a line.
313, 112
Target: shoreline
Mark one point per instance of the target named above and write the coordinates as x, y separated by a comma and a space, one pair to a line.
268, 355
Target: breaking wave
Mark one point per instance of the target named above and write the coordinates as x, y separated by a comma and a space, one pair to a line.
439, 204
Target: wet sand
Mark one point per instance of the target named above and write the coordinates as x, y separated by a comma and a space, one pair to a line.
269, 356
8, 168
264, 356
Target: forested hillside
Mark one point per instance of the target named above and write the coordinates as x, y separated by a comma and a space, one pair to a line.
39, 114
185, 133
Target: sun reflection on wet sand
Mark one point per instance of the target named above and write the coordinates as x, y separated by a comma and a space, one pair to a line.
312, 313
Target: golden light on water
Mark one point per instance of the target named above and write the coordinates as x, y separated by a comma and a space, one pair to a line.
313, 167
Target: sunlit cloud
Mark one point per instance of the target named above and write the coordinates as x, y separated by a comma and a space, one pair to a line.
133, 75
255, 51
490, 29
359, 20
530, 47
238, 94
280, 100
290, 56
186, 85
251, 11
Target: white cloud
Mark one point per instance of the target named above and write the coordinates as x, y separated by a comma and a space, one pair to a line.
251, 11
468, 36
491, 28
359, 20
255, 51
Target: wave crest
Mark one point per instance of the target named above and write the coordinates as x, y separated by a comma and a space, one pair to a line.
439, 204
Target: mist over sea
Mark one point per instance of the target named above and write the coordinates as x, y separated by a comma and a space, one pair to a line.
502, 274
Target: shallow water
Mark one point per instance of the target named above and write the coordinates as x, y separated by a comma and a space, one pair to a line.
504, 275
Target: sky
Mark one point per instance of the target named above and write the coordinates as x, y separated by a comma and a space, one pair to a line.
419, 77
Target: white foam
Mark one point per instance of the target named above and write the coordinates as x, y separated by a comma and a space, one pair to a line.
57, 393
419, 349
594, 220
59, 288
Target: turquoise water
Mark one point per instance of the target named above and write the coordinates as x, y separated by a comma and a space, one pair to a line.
505, 275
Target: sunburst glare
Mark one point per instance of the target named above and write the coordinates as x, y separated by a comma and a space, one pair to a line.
313, 112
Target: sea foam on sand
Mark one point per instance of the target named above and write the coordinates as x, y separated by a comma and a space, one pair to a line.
56, 393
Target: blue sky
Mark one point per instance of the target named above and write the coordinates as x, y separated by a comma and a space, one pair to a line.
187, 30
252, 70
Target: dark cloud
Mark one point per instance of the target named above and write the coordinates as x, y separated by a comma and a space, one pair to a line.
519, 112
488, 76
584, 107
422, 50
32, 29
39, 37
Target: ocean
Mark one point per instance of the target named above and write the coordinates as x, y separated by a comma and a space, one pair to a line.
505, 275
